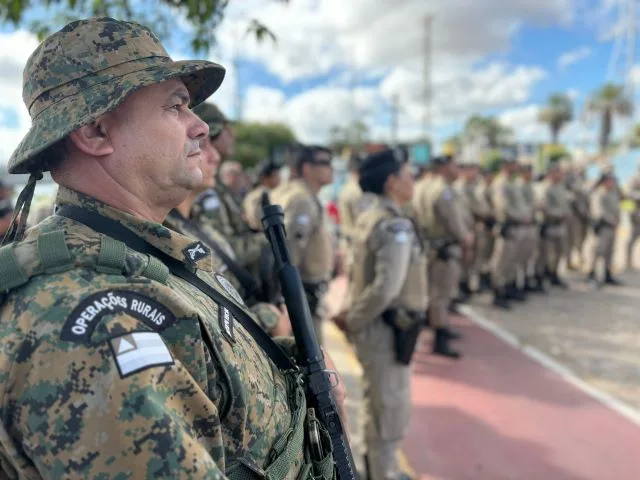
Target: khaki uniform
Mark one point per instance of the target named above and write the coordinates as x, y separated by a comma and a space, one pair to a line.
267, 319
252, 206
442, 223
462, 191
486, 239
633, 192
557, 210
219, 208
389, 273
112, 364
579, 221
530, 233
605, 213
310, 242
511, 213
351, 202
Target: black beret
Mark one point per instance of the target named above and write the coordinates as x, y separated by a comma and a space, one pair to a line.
442, 160
376, 168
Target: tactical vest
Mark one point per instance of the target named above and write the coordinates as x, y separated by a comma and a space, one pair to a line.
317, 261
49, 253
426, 198
414, 293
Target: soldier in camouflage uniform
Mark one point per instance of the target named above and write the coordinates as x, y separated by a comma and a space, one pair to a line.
219, 207
110, 364
270, 317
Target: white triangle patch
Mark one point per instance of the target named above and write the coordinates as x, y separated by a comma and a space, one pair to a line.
125, 346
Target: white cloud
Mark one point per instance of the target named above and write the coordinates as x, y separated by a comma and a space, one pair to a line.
573, 94
574, 56
317, 35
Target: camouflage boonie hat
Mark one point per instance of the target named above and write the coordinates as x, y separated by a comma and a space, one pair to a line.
86, 70
212, 116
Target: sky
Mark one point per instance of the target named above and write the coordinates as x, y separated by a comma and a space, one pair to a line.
336, 61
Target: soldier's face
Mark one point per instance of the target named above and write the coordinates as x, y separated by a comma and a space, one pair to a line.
156, 140
403, 183
224, 142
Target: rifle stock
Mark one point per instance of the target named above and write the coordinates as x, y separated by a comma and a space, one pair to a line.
310, 358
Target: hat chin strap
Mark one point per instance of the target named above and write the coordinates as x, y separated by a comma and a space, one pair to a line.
23, 205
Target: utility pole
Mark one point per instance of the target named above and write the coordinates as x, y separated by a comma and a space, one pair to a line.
427, 94
395, 110
631, 50
236, 67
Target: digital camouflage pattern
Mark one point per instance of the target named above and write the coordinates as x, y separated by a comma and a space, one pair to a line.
67, 409
68, 82
266, 318
212, 116
218, 209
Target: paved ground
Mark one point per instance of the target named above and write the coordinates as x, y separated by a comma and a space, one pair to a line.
499, 415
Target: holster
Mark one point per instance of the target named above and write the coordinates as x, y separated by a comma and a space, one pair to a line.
405, 334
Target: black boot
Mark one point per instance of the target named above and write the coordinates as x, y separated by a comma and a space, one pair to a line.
485, 282
441, 345
531, 285
452, 333
610, 280
556, 281
500, 299
540, 284
593, 281
515, 293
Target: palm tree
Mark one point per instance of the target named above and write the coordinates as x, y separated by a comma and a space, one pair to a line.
556, 114
489, 128
610, 100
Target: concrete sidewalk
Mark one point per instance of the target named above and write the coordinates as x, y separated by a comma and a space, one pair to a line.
497, 414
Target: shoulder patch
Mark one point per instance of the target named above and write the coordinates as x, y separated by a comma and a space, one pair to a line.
401, 237
138, 351
83, 319
226, 323
399, 225
303, 219
447, 194
195, 251
229, 288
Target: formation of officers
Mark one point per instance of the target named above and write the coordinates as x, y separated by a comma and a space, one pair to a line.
113, 362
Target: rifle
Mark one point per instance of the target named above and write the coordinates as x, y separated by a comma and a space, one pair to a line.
310, 357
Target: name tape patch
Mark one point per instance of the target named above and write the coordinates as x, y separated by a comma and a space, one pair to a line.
226, 323
83, 319
138, 351
229, 288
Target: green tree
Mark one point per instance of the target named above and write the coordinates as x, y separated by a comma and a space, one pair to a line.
556, 114
354, 136
258, 141
489, 128
610, 100
203, 16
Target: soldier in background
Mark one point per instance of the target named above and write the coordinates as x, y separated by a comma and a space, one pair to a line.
633, 193
605, 215
269, 178
511, 214
531, 233
306, 224
463, 190
554, 230
350, 204
388, 297
218, 207
580, 220
442, 224
486, 240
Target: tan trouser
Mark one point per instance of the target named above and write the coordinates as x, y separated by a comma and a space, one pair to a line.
387, 386
554, 247
530, 237
505, 268
443, 284
576, 235
486, 247
635, 234
605, 244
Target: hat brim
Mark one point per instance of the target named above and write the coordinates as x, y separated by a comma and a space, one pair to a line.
202, 78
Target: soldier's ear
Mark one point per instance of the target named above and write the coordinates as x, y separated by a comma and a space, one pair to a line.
92, 139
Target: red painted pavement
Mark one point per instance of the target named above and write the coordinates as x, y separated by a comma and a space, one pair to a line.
498, 415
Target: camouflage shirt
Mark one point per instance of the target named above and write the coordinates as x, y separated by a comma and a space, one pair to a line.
218, 208
176, 222
111, 367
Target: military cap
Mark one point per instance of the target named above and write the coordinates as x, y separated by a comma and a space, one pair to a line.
313, 154
213, 116
87, 69
376, 168
266, 168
